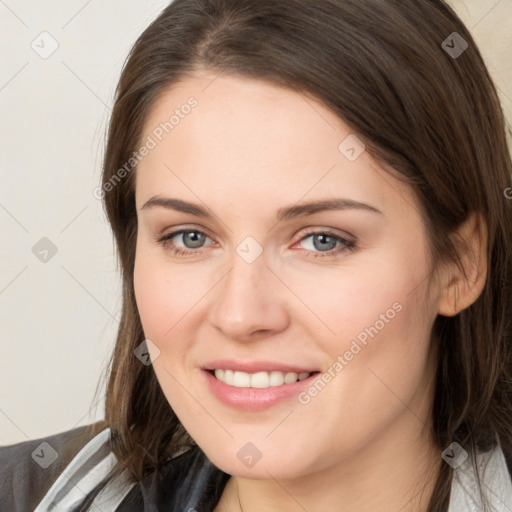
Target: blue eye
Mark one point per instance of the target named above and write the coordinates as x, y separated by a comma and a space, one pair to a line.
194, 239
328, 241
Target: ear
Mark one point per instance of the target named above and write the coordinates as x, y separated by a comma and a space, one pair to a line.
463, 283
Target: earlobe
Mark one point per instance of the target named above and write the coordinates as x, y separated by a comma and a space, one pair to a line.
465, 281
449, 301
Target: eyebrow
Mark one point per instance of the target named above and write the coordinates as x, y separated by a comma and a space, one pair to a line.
285, 213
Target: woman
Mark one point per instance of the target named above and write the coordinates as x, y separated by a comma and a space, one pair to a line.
310, 202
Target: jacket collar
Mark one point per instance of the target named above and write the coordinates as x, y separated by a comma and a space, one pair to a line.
495, 482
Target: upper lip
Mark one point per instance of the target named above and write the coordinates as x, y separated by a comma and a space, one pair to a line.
254, 366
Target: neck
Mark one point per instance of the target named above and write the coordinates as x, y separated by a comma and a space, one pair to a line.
387, 475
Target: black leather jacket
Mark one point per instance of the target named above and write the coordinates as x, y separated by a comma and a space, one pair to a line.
187, 483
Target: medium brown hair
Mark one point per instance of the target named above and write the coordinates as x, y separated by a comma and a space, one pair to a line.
434, 119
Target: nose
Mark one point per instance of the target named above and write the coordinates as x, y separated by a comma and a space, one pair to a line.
250, 302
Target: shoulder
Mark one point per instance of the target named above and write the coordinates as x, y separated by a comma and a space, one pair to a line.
28, 469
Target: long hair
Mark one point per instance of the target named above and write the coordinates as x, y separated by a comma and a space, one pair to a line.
432, 116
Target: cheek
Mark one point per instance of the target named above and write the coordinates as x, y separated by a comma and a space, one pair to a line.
382, 335
379, 329
380, 293
163, 296
164, 301
152, 296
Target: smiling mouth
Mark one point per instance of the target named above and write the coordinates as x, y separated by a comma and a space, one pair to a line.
260, 380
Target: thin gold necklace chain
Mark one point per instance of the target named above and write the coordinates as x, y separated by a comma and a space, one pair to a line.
238, 494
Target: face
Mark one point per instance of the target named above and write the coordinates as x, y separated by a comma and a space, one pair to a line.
340, 291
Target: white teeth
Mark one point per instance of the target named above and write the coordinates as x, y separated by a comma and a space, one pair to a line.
276, 378
259, 379
241, 380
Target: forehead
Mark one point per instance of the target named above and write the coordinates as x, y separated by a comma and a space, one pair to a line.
250, 137
234, 108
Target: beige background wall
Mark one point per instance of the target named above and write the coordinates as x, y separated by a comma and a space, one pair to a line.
490, 22
58, 318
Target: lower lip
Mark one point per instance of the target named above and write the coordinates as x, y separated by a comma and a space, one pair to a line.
255, 399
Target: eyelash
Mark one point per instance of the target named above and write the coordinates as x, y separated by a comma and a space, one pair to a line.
348, 245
